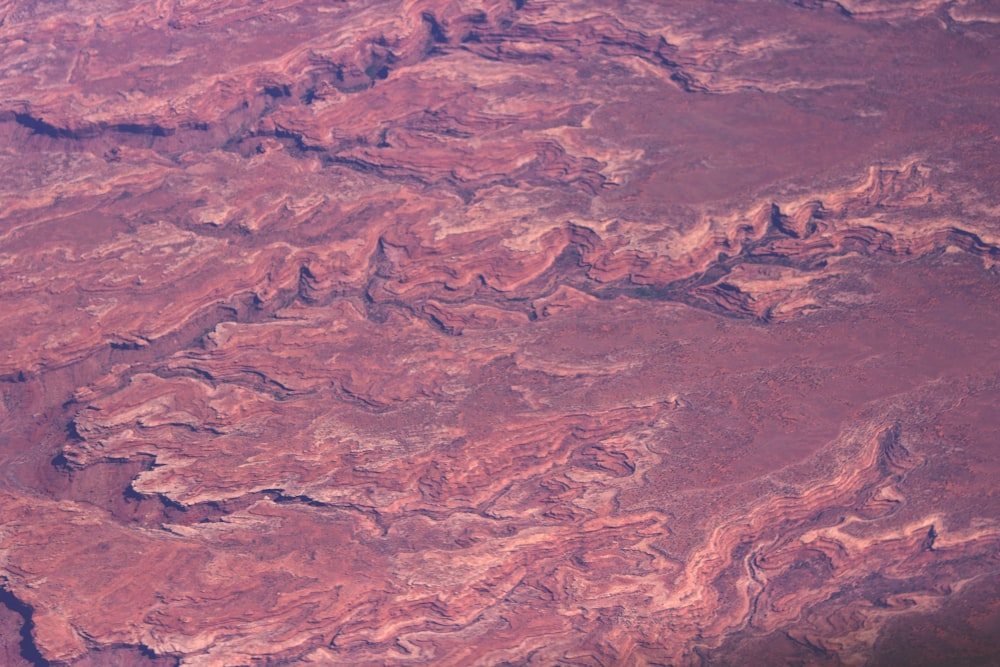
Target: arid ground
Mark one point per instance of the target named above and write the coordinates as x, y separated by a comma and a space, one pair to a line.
499, 332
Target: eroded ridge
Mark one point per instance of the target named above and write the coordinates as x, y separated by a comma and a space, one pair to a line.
511, 332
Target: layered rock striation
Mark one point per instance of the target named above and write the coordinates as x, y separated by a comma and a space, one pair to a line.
512, 332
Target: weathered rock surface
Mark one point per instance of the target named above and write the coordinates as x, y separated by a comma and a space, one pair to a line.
514, 332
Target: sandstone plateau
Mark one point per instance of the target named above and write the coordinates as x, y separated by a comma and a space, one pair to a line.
499, 332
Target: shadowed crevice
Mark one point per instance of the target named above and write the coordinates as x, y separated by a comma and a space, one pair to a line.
27, 646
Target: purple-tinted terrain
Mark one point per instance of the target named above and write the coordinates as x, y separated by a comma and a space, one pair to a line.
499, 332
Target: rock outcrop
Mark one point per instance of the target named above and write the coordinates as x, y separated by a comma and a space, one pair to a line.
503, 332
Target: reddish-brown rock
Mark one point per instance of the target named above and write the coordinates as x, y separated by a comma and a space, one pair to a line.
507, 332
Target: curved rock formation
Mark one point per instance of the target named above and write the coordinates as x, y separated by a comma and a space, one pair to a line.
507, 332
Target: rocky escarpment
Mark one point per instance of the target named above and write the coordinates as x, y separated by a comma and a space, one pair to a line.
503, 332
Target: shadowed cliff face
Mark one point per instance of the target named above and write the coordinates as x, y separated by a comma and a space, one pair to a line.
481, 333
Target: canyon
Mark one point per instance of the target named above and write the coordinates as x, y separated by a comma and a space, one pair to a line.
499, 332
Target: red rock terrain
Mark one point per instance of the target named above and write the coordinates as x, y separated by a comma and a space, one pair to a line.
510, 332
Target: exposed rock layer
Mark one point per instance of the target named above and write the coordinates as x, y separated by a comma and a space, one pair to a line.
499, 333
